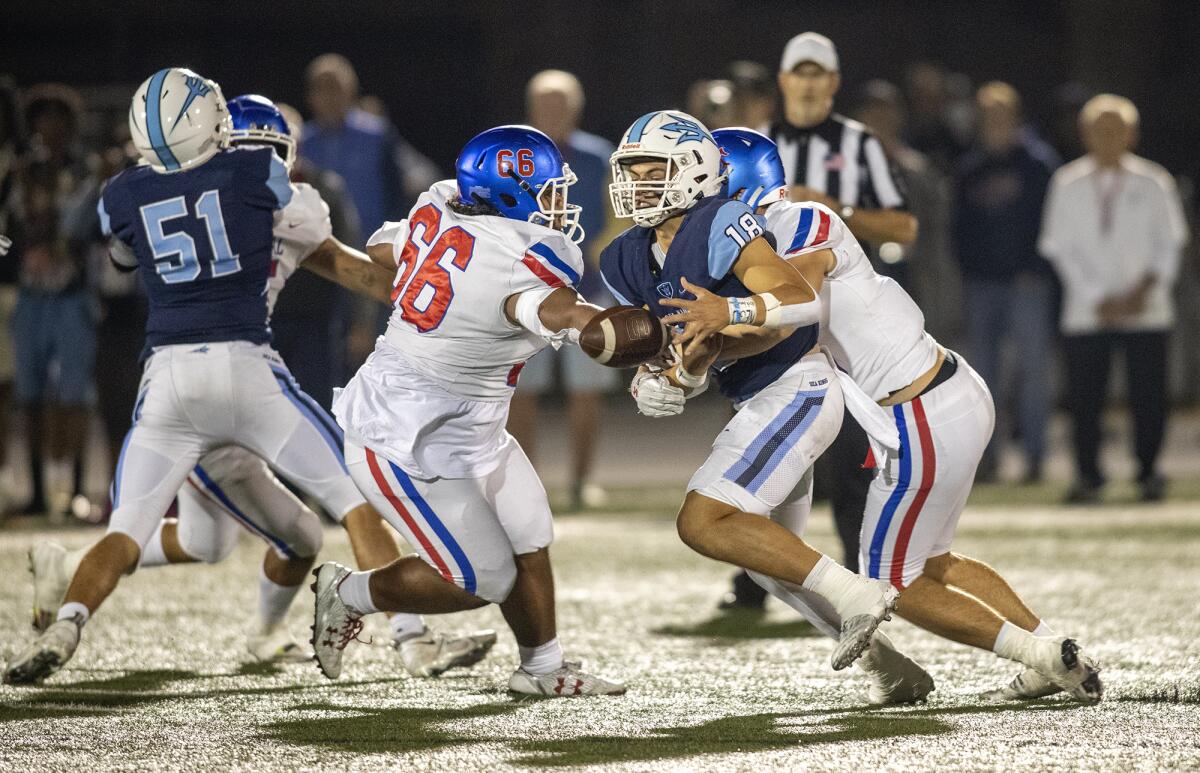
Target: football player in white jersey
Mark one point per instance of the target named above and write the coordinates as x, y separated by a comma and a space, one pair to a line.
944, 416
232, 486
486, 266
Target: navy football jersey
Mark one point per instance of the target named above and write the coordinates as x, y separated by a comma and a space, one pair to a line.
708, 243
202, 239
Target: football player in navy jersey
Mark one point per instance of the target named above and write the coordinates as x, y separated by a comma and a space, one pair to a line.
197, 220
688, 247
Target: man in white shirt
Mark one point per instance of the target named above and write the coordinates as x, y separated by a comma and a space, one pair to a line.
1113, 229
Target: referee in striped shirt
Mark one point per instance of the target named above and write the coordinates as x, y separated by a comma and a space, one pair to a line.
838, 162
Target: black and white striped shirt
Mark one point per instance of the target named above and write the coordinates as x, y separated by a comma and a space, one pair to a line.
842, 159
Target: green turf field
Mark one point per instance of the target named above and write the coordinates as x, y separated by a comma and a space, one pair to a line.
161, 682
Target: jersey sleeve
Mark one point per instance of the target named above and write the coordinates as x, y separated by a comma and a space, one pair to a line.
612, 274
304, 222
807, 228
885, 181
733, 227
120, 228
551, 261
267, 185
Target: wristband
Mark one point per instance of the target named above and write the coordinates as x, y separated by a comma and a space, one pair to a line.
686, 379
742, 311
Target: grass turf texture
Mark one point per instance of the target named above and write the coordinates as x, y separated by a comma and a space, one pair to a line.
161, 680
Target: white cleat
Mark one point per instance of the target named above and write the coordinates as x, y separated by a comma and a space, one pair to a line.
566, 682
334, 624
894, 678
1028, 685
434, 653
857, 628
47, 654
275, 645
1064, 665
47, 564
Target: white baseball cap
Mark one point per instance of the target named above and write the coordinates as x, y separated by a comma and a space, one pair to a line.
809, 47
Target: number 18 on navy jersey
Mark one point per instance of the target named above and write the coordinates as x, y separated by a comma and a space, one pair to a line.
202, 239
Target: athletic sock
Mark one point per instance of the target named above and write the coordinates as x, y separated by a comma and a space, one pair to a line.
542, 659
1042, 629
154, 554
406, 626
849, 593
1015, 643
273, 600
355, 592
75, 612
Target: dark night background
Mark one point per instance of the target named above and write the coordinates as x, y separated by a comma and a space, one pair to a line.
447, 70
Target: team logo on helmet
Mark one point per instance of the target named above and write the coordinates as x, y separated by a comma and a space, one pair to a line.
689, 130
196, 88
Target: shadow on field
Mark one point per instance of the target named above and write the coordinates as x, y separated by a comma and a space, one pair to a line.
371, 731
130, 690
741, 624
366, 730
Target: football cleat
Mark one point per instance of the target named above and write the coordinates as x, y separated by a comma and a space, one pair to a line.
893, 677
47, 654
334, 624
1065, 665
434, 653
275, 645
567, 682
47, 564
1026, 686
858, 628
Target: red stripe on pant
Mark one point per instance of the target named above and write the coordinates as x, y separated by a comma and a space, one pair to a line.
398, 505
928, 471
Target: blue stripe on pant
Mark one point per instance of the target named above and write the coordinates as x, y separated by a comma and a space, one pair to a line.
233, 510
439, 528
771, 445
314, 413
875, 553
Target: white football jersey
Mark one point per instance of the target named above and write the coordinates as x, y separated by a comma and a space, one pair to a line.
874, 329
434, 394
300, 227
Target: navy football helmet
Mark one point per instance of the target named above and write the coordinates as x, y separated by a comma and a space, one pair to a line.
754, 171
256, 121
519, 171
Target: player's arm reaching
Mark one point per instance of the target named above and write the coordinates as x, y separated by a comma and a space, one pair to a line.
354, 270
782, 298
555, 314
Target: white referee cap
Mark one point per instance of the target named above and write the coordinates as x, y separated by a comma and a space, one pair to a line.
809, 47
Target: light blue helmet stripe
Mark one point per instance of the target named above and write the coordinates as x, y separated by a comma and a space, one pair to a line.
154, 121
639, 126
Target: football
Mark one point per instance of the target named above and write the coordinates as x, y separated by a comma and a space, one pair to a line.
624, 336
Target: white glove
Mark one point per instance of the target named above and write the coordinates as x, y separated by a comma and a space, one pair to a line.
5, 243
656, 396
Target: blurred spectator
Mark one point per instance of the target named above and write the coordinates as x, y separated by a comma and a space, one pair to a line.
753, 95
54, 322
937, 125
1009, 289
383, 173
10, 151
309, 324
934, 280
1114, 228
554, 104
712, 103
121, 327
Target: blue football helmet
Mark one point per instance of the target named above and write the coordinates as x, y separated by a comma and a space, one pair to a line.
519, 171
256, 121
754, 171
